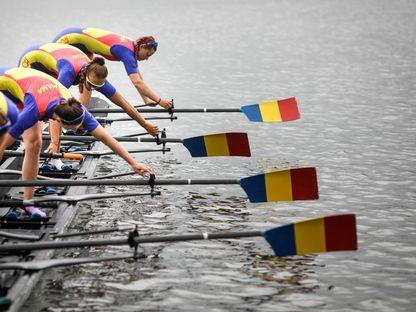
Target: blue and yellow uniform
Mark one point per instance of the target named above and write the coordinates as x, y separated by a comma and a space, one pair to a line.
63, 62
8, 108
112, 46
38, 94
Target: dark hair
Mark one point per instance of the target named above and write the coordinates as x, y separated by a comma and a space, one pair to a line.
148, 41
96, 65
69, 111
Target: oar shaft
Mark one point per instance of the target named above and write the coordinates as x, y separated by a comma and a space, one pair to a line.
46, 155
85, 138
138, 240
64, 182
76, 138
175, 110
161, 140
63, 244
104, 153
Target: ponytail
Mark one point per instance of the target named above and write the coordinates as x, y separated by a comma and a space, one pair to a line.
97, 66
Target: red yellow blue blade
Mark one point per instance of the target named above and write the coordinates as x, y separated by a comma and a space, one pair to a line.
282, 185
331, 233
273, 111
222, 144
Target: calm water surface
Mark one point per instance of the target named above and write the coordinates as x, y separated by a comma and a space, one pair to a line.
352, 67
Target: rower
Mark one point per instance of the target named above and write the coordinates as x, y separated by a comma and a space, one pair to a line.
8, 114
43, 98
116, 47
71, 67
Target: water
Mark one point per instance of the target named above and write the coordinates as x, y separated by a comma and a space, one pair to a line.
351, 66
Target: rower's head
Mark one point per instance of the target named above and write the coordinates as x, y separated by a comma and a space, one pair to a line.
145, 47
70, 113
93, 75
4, 124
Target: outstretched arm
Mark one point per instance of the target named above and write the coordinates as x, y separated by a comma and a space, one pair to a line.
120, 150
144, 90
119, 100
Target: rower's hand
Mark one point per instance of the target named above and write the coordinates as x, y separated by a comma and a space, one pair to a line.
151, 129
165, 103
142, 169
52, 148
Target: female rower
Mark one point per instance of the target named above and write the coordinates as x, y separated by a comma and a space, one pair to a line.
72, 67
43, 97
116, 47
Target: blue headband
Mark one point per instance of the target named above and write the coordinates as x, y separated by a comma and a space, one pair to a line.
152, 44
75, 121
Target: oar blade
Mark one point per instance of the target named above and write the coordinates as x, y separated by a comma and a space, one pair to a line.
221, 144
282, 185
273, 111
331, 233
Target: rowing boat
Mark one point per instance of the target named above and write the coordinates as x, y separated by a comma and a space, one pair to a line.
17, 285
324, 234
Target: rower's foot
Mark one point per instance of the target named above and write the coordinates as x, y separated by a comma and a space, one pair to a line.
13, 215
45, 191
57, 163
34, 212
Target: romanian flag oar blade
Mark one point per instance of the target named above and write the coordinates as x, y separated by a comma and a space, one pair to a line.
331, 233
222, 144
273, 111
282, 185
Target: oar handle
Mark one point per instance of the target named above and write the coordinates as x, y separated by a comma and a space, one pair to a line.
73, 156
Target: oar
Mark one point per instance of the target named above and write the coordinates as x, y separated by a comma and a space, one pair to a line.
116, 175
70, 199
46, 155
33, 266
324, 234
221, 144
97, 154
111, 120
100, 231
270, 111
282, 185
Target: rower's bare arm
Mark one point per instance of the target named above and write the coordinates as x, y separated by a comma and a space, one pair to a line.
85, 97
119, 100
55, 132
120, 150
144, 90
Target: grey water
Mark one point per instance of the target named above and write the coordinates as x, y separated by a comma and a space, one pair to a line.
351, 66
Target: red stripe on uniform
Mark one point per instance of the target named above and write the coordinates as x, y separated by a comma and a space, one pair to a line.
340, 232
304, 184
288, 109
238, 144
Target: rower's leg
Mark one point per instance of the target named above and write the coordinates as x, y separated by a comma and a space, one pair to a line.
32, 139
